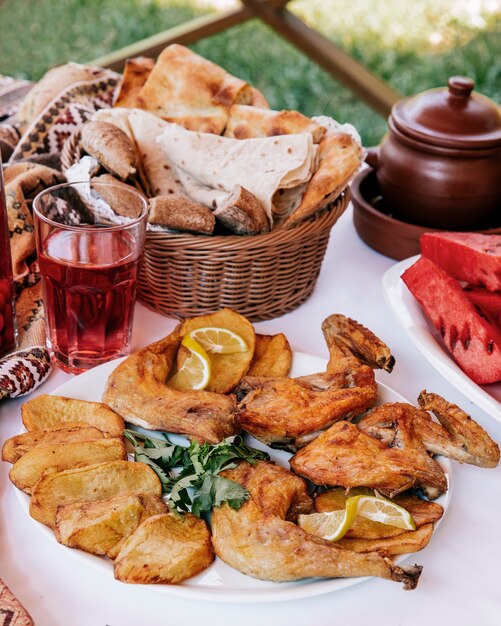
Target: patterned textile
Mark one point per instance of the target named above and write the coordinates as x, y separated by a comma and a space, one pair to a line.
68, 111
12, 93
12, 613
25, 176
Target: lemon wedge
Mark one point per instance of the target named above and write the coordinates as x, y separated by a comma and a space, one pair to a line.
333, 525
220, 340
194, 372
385, 511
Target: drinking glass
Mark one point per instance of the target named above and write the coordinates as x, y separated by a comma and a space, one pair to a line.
90, 240
8, 331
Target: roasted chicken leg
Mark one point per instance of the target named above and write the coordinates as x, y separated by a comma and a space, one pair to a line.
289, 412
261, 539
136, 390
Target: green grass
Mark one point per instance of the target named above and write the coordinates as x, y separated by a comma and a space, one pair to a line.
414, 45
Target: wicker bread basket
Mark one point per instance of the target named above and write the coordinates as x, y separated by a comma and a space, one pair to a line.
262, 276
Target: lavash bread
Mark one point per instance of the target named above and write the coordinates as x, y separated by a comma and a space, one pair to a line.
340, 157
206, 139
135, 75
246, 122
119, 117
53, 82
177, 212
111, 147
189, 90
259, 165
242, 213
117, 195
159, 172
258, 99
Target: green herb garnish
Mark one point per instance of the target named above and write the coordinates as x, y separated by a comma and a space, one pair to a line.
197, 484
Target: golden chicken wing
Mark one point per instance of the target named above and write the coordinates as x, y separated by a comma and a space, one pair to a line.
346, 456
289, 412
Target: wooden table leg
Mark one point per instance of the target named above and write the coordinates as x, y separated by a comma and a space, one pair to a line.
374, 91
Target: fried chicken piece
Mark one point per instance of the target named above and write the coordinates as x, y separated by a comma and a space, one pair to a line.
290, 412
261, 540
463, 440
457, 437
346, 456
137, 391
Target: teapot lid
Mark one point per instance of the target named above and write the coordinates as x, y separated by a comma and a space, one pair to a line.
453, 117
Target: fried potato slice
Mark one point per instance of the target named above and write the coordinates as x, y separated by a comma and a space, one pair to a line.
272, 356
88, 484
101, 527
423, 512
14, 447
46, 411
403, 543
50, 458
165, 549
226, 369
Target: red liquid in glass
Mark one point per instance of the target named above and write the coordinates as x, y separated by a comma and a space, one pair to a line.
7, 318
89, 282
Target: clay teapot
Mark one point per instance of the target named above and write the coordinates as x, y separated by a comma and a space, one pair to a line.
439, 165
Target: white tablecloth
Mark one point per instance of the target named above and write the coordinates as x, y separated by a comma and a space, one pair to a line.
460, 583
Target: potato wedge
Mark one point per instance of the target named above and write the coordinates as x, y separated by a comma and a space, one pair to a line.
14, 448
87, 484
55, 457
403, 543
45, 411
101, 527
226, 369
422, 511
272, 356
165, 549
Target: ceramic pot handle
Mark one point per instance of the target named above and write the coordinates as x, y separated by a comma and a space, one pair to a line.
461, 86
372, 157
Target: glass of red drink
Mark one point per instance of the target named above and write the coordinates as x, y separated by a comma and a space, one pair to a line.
8, 331
90, 240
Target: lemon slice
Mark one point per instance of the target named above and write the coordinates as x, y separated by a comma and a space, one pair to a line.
331, 525
220, 340
385, 511
194, 372
334, 525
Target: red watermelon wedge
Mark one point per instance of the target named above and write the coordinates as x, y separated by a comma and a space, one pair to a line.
472, 257
473, 341
487, 302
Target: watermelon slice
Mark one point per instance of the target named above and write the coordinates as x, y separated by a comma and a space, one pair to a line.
472, 257
473, 341
488, 303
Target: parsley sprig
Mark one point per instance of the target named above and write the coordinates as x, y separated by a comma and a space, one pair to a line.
197, 485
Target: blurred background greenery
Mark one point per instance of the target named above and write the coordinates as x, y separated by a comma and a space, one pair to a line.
413, 44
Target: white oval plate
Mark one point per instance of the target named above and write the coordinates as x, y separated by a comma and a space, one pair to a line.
220, 582
411, 317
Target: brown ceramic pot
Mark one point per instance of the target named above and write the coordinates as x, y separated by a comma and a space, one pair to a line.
439, 165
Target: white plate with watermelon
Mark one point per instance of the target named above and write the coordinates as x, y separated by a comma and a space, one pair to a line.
424, 336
